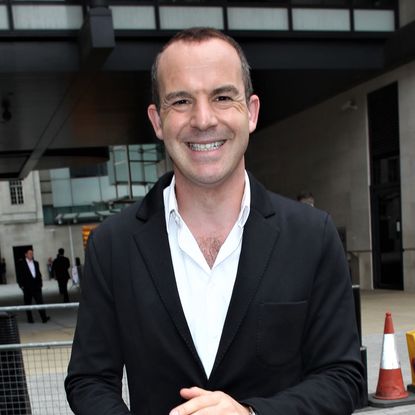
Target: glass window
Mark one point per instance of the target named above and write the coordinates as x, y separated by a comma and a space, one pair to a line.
181, 17
4, 20
51, 17
108, 191
150, 171
374, 20
321, 19
91, 170
121, 172
86, 191
320, 2
16, 192
62, 193
257, 18
57, 174
371, 4
133, 17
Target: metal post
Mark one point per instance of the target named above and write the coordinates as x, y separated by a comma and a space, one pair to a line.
363, 350
71, 244
130, 182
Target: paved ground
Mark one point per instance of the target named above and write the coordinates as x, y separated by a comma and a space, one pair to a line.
374, 305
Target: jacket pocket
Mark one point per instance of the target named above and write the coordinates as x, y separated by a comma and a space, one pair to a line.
279, 333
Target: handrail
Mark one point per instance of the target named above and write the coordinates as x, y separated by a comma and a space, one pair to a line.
47, 345
38, 307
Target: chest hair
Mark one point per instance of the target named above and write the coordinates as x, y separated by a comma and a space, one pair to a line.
210, 246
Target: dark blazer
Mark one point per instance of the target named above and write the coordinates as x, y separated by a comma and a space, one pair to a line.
25, 279
60, 268
289, 344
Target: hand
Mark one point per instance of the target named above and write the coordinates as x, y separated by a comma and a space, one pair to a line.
201, 401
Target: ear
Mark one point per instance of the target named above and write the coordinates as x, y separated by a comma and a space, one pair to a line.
253, 110
155, 120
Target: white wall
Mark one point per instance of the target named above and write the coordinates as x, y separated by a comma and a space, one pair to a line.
407, 146
325, 150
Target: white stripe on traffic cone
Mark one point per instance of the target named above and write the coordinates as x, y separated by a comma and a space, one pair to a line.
390, 382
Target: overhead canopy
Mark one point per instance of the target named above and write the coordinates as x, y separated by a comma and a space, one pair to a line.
68, 97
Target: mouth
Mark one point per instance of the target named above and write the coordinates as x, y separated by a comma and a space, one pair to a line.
206, 146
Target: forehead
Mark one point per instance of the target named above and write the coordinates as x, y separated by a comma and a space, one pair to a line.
206, 54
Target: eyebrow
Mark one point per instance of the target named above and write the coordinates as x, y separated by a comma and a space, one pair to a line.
226, 89
176, 95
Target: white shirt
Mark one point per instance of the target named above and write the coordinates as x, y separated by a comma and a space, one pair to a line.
204, 292
31, 266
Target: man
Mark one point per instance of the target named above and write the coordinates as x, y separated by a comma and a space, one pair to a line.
217, 296
29, 279
60, 268
306, 197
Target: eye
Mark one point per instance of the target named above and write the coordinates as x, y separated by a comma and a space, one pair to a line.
223, 98
181, 102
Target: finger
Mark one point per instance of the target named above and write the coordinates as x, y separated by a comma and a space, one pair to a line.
193, 392
195, 404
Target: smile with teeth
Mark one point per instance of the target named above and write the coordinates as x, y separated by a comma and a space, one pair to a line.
205, 146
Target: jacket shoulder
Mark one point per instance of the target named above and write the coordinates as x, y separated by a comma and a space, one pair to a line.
281, 208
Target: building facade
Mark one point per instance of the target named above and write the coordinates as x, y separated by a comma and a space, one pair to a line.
330, 150
49, 209
352, 146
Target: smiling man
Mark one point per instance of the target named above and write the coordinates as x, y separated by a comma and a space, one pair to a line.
217, 296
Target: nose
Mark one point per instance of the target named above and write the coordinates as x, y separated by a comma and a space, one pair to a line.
203, 115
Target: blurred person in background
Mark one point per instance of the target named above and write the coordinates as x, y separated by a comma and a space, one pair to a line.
60, 270
29, 280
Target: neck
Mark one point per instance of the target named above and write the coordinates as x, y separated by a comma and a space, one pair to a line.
210, 205
210, 212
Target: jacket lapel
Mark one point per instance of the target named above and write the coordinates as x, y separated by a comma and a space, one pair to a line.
152, 242
259, 240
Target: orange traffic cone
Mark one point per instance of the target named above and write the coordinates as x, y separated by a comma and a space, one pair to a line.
390, 382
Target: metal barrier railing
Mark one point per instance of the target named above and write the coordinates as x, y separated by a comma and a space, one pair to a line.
32, 374
17, 308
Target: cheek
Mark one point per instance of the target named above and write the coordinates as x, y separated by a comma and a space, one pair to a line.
172, 122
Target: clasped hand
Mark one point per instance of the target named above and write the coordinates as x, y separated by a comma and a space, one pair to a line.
204, 402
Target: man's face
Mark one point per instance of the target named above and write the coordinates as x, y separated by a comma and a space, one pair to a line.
29, 254
204, 118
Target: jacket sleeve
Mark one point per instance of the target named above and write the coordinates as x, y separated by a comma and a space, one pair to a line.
94, 381
19, 274
333, 381
39, 274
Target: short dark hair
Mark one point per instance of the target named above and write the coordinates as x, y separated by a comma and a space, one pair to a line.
198, 35
305, 194
61, 251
